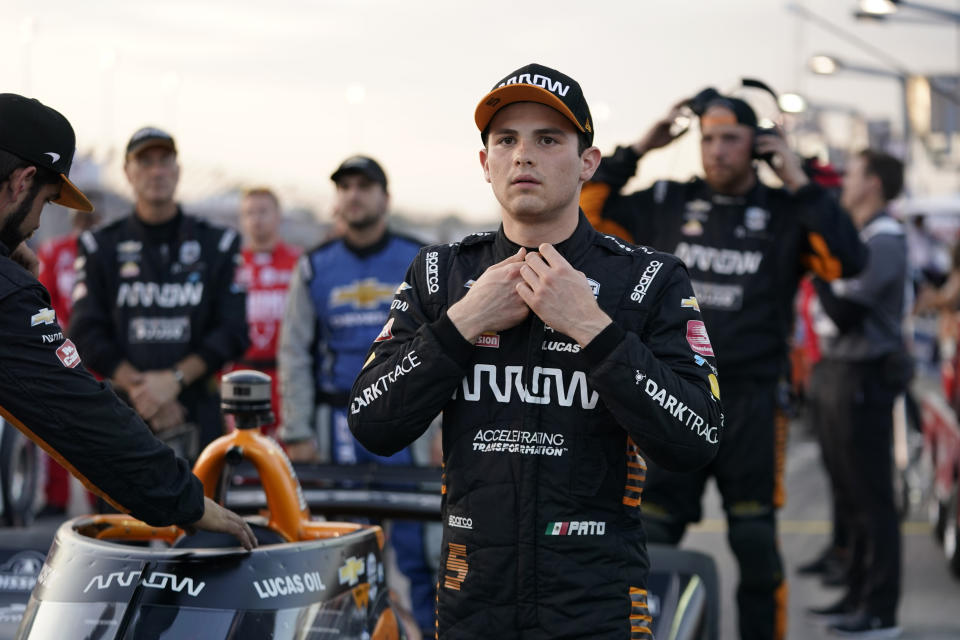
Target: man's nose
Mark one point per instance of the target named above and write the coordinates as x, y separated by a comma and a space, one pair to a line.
522, 155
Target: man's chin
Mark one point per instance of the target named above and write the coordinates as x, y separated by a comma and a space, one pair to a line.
12, 239
362, 224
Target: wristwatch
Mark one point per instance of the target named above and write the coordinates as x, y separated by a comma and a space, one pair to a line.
178, 376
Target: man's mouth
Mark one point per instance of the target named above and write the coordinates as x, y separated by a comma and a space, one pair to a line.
525, 180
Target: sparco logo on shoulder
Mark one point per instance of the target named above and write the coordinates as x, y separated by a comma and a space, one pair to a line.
461, 522
640, 290
433, 277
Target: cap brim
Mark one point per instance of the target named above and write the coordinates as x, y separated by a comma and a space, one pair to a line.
71, 197
502, 96
151, 142
357, 171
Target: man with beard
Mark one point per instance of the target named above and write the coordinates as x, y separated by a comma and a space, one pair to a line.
45, 391
746, 246
338, 302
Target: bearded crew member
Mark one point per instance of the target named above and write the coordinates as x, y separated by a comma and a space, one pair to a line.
746, 246
45, 390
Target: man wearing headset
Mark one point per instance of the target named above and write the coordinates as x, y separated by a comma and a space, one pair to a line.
746, 246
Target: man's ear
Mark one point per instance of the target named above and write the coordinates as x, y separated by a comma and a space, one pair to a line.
483, 163
589, 161
21, 180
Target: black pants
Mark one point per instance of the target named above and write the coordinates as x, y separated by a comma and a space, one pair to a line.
858, 415
818, 394
748, 470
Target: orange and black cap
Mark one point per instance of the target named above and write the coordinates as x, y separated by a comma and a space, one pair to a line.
42, 136
546, 86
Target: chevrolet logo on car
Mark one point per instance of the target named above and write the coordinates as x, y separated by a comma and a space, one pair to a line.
351, 571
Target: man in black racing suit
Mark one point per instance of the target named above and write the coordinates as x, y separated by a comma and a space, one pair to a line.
746, 246
45, 392
157, 308
561, 360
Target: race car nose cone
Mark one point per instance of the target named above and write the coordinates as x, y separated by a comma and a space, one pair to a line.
246, 395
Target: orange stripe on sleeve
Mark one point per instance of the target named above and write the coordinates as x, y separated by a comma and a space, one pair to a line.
53, 453
821, 261
593, 196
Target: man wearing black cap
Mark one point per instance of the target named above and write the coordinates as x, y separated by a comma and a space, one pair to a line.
45, 391
562, 359
746, 246
157, 308
338, 301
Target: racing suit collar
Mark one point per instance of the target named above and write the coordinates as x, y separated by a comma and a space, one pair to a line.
572, 248
369, 250
753, 195
4, 250
163, 233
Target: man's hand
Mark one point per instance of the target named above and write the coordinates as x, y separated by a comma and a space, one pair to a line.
155, 390
785, 163
492, 303
126, 377
303, 451
26, 258
168, 416
560, 296
216, 518
659, 135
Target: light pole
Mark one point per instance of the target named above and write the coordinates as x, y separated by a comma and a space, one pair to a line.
880, 9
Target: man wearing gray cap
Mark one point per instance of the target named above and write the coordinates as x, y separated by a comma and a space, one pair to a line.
45, 391
157, 308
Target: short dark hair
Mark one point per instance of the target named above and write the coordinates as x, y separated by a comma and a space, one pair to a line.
885, 167
10, 162
583, 140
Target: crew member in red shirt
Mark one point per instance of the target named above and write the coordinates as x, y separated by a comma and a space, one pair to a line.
57, 257
57, 273
267, 265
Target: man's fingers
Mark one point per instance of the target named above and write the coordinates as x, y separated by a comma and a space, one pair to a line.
525, 292
517, 257
530, 277
244, 533
552, 256
536, 262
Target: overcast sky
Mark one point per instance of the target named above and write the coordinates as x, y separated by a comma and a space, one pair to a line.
279, 92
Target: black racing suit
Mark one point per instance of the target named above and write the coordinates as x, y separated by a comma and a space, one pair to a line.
544, 442
47, 394
153, 294
746, 255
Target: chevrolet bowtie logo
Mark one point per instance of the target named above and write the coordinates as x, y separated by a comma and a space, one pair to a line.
44, 316
365, 294
350, 572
